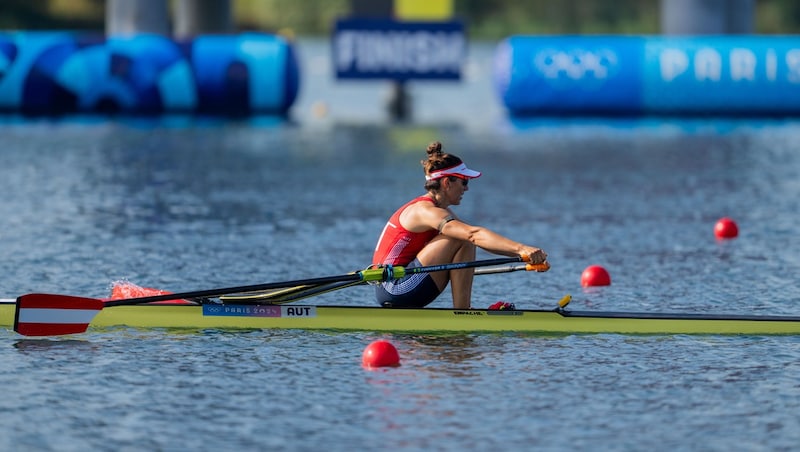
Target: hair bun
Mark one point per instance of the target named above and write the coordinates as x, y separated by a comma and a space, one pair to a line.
434, 148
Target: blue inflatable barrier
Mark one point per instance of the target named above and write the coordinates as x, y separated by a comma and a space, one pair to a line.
722, 75
60, 72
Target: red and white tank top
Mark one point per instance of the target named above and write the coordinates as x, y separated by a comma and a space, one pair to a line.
398, 246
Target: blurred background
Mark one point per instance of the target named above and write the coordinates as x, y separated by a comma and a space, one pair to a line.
278, 57
487, 19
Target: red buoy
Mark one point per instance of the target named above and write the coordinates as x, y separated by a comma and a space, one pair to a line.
726, 228
380, 353
595, 275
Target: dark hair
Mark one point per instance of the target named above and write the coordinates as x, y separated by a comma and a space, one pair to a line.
437, 160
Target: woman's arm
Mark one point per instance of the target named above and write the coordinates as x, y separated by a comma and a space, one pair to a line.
492, 242
425, 217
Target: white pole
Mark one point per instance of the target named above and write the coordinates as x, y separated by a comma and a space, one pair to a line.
703, 17
125, 17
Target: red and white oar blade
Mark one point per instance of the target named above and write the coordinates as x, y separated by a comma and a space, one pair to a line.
52, 315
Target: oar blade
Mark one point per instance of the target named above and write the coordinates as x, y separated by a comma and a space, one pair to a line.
54, 315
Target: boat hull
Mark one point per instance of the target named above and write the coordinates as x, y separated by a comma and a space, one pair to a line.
428, 320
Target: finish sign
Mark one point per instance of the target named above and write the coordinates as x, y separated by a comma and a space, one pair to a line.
387, 49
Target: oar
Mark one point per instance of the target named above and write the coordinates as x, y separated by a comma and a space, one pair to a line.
303, 294
306, 292
399, 272
326, 288
293, 294
513, 268
40, 314
280, 294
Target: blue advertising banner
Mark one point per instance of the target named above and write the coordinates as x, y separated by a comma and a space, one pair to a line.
727, 75
45, 73
386, 49
732, 74
569, 73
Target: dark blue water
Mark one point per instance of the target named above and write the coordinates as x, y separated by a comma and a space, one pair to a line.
190, 204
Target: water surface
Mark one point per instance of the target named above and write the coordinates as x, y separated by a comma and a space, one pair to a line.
192, 203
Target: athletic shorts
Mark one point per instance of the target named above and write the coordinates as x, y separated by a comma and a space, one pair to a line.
412, 291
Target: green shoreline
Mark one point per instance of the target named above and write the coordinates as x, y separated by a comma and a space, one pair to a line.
485, 20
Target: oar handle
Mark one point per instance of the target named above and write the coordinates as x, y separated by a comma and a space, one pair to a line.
514, 268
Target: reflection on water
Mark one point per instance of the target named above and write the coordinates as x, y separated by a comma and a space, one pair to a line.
50, 345
444, 351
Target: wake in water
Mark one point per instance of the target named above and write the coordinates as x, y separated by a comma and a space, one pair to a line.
123, 289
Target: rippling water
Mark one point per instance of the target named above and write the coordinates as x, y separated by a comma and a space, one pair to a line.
134, 390
189, 204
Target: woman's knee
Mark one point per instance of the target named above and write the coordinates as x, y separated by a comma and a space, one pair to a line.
468, 250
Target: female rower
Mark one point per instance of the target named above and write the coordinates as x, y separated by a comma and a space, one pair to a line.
425, 231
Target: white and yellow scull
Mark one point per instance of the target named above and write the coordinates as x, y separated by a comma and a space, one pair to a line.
428, 320
267, 306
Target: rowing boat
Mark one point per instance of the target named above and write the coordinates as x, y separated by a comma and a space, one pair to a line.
429, 320
271, 306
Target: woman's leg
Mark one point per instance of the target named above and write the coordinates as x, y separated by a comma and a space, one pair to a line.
445, 250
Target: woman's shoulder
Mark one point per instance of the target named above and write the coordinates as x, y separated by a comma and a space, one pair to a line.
424, 203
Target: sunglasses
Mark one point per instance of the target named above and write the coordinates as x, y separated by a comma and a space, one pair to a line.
464, 180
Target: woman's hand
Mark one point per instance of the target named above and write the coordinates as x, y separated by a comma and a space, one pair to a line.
533, 255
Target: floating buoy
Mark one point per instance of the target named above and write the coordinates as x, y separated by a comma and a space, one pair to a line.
595, 275
726, 228
380, 354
